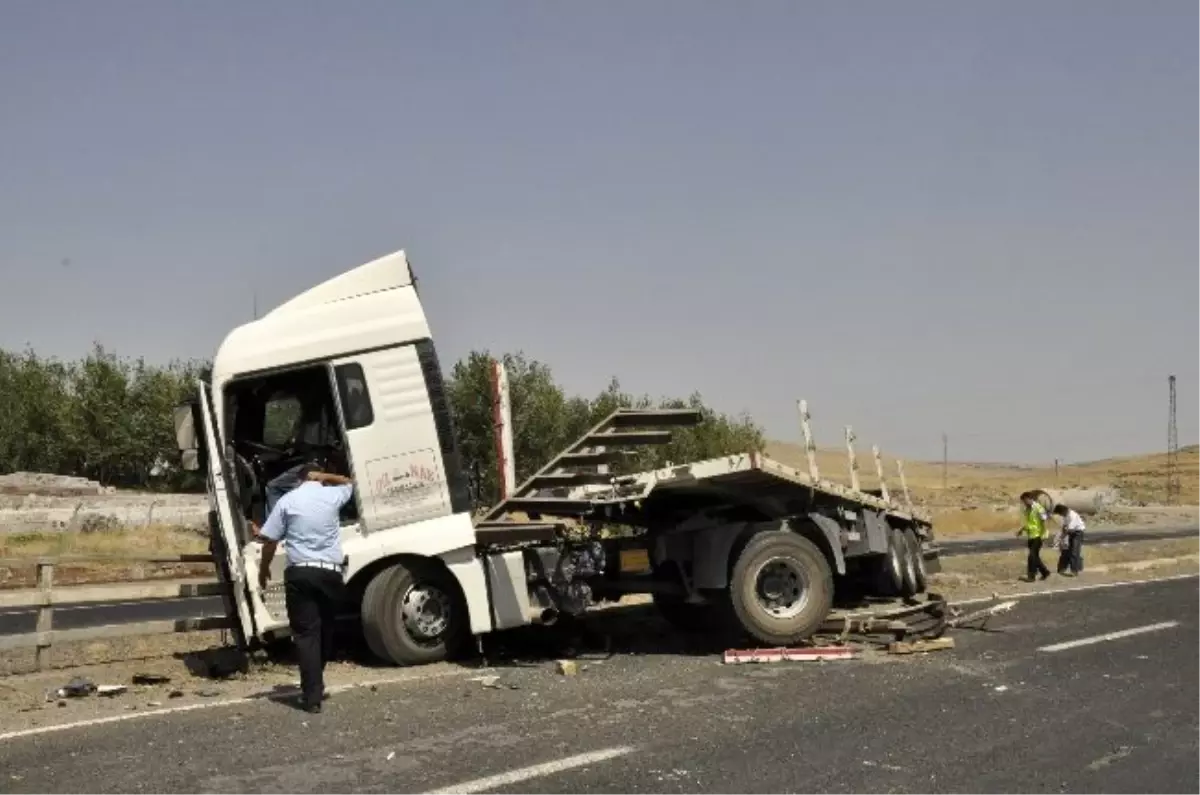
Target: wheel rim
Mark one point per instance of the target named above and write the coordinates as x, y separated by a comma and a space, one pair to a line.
425, 611
781, 587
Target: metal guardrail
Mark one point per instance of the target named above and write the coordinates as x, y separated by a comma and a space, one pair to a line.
45, 596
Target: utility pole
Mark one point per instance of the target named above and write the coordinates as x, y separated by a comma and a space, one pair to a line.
945, 460
1172, 446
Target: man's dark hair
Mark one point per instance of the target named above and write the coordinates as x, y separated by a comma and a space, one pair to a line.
306, 468
1061, 509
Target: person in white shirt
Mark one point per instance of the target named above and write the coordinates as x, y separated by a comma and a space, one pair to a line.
1071, 543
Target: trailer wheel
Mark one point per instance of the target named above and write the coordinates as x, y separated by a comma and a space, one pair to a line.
781, 589
910, 585
888, 575
684, 616
920, 577
413, 614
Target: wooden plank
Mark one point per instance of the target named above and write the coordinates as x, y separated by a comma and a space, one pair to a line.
904, 486
810, 446
115, 592
109, 631
853, 459
920, 646
883, 489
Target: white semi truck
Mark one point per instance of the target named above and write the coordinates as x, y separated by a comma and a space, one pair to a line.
347, 373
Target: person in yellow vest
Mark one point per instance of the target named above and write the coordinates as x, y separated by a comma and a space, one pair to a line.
1033, 527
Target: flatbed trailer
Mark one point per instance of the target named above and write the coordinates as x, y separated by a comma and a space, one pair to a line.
739, 544
736, 544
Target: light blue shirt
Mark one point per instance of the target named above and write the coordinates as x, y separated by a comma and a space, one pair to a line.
306, 521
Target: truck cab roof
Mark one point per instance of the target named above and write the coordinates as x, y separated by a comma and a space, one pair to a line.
367, 307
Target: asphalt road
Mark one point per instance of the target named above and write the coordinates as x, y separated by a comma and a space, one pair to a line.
999, 713
15, 621
1007, 541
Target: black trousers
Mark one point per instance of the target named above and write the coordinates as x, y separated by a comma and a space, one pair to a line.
1034, 564
1072, 557
313, 597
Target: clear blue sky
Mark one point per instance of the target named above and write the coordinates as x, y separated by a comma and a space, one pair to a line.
978, 218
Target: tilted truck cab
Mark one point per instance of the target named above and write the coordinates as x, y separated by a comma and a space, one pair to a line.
346, 375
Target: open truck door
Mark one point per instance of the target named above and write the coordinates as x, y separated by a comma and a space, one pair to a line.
237, 560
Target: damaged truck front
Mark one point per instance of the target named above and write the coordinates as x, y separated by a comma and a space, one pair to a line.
346, 374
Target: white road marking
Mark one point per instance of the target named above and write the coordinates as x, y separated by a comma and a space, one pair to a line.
265, 695
1073, 589
1124, 633
533, 771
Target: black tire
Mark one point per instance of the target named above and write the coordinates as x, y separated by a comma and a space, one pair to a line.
921, 578
805, 575
888, 575
390, 636
910, 587
685, 617
370, 614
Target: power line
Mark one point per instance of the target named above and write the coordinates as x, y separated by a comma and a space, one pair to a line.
1172, 446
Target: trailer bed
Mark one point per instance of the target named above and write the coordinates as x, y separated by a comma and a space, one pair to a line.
751, 479
576, 486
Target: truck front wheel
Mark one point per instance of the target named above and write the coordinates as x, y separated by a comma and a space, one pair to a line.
781, 589
412, 614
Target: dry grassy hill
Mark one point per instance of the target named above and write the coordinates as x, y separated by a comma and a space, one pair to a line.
983, 497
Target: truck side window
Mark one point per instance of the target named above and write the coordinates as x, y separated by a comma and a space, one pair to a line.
356, 401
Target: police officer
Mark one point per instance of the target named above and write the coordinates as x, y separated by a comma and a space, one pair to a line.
306, 520
1033, 527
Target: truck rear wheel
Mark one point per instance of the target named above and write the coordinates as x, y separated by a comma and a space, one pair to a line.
910, 585
412, 614
888, 569
920, 578
781, 589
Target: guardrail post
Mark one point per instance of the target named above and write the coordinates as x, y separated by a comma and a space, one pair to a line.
45, 616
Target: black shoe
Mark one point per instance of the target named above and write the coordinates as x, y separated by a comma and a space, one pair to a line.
1045, 575
313, 708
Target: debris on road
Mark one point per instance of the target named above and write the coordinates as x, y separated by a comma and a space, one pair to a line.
77, 688
207, 693
175, 694
1000, 688
150, 679
818, 654
391, 755
567, 667
492, 682
921, 646
959, 619
108, 691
